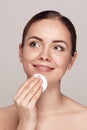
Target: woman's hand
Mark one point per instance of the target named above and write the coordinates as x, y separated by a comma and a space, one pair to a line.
25, 100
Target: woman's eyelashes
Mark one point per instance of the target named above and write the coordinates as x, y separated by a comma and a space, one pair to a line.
34, 44
59, 48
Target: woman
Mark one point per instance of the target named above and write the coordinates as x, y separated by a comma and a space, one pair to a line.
49, 48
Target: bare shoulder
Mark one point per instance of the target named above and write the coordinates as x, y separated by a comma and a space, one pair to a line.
75, 114
76, 108
8, 118
81, 115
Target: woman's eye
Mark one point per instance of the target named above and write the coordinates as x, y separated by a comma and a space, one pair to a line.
34, 44
59, 48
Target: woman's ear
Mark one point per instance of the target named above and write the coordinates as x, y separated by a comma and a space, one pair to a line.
72, 60
20, 53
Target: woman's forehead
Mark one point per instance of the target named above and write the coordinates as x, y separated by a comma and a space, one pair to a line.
49, 28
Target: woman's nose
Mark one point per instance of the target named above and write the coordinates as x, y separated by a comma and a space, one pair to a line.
45, 55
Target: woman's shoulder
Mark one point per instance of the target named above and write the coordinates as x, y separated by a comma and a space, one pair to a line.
75, 106
76, 111
8, 117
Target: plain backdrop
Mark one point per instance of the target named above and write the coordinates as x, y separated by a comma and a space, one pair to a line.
14, 14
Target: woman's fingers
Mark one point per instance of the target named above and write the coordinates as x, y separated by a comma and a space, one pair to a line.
28, 90
34, 100
23, 87
26, 99
26, 87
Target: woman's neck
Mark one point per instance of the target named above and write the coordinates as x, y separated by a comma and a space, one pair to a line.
50, 100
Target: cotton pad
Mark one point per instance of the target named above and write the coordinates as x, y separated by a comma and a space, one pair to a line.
44, 83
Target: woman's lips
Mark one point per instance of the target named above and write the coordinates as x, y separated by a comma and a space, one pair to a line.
43, 68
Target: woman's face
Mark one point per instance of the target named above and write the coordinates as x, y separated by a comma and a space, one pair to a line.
47, 50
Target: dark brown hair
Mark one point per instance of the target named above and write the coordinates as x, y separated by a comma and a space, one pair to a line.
51, 14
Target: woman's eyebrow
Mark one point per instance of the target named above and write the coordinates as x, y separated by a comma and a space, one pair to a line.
35, 37
59, 41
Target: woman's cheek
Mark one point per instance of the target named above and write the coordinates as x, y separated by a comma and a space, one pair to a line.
61, 60
28, 59
29, 56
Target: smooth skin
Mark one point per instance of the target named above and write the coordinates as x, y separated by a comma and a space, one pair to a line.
47, 51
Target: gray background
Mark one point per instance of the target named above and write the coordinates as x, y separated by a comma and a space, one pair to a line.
13, 16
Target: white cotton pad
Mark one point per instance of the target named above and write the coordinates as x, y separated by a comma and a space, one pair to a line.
44, 84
